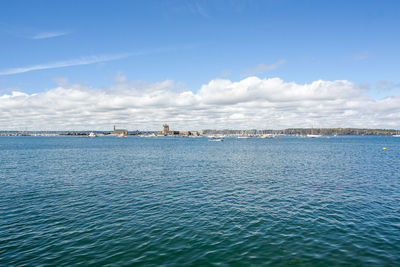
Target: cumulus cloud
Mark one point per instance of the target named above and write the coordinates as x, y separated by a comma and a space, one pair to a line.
249, 103
262, 68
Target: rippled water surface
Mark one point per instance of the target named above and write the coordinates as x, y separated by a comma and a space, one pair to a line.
187, 201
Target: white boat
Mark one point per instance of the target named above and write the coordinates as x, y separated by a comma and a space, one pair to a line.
216, 139
397, 134
121, 135
313, 135
243, 137
92, 134
150, 135
267, 136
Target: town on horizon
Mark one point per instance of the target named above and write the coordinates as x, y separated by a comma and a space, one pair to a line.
166, 131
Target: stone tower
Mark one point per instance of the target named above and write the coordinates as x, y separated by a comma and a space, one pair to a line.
165, 129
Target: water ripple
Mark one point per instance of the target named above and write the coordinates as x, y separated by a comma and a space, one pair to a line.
179, 202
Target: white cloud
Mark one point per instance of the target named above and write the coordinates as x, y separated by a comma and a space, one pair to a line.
248, 103
46, 35
262, 68
66, 63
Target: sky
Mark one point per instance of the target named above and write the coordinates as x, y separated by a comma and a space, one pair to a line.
87, 65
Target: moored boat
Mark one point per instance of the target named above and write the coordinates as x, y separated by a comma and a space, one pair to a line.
217, 139
267, 136
313, 135
121, 135
92, 134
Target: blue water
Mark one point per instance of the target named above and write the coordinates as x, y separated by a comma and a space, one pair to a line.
66, 201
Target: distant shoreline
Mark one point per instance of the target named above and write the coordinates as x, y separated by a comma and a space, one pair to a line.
288, 131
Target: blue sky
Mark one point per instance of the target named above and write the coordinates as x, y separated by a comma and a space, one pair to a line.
195, 41
89, 44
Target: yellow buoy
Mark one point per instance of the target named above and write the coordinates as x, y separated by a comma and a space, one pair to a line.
384, 148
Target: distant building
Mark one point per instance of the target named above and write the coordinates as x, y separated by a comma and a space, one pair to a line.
193, 133
120, 131
165, 130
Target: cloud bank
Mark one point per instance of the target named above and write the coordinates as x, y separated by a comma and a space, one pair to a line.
220, 104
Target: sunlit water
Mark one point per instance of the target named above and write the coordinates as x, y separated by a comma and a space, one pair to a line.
187, 201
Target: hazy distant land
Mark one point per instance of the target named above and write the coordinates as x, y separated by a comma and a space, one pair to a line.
288, 131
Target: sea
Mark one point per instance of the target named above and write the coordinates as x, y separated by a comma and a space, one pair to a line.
107, 201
